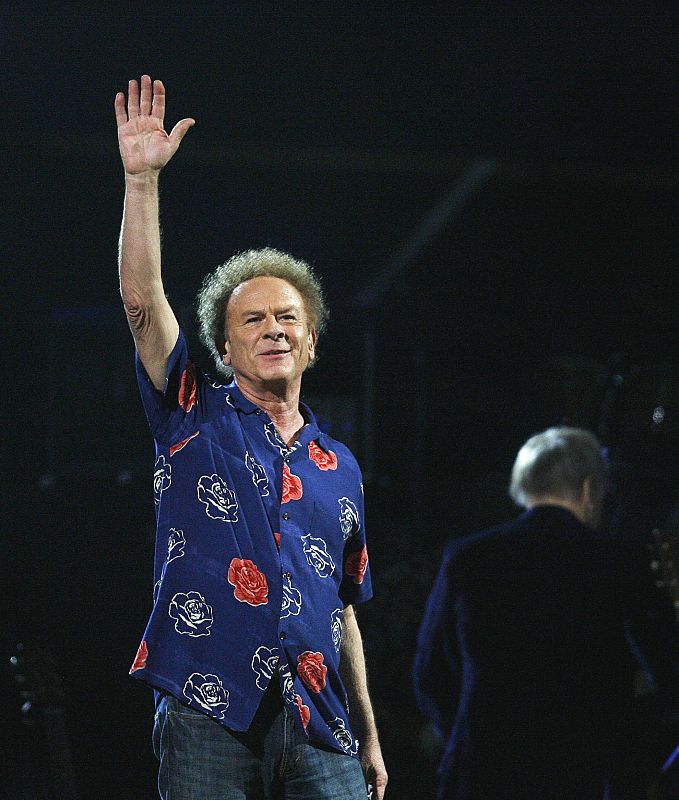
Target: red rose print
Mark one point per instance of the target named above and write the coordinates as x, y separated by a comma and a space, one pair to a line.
277, 537
292, 485
175, 448
356, 564
140, 659
249, 583
322, 459
312, 670
304, 712
187, 388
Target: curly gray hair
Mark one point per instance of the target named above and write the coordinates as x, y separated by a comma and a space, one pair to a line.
556, 463
218, 286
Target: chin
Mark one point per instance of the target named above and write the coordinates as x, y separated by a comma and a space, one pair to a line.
276, 376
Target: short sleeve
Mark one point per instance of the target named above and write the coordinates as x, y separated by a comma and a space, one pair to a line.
177, 408
356, 584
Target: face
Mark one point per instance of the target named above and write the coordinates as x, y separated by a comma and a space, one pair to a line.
269, 342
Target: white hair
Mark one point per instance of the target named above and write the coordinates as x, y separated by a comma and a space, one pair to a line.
218, 286
556, 463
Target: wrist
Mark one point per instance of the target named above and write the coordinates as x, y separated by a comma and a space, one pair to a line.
369, 740
142, 181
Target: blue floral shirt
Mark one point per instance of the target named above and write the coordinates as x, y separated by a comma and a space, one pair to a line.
259, 548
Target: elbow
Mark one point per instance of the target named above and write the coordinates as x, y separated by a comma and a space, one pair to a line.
137, 316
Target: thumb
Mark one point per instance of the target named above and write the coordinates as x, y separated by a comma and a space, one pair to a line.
178, 132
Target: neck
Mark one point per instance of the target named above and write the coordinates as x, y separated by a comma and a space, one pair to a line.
280, 403
577, 507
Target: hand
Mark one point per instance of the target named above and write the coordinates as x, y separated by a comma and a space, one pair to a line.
374, 769
144, 144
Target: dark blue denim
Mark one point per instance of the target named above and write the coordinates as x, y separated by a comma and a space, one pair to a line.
202, 760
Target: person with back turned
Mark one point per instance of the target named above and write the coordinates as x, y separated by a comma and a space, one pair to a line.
531, 637
252, 645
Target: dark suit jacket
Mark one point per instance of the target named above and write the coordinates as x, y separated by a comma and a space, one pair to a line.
526, 656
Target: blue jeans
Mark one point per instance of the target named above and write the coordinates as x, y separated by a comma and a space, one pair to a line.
202, 760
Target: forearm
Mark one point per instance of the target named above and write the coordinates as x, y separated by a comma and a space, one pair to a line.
354, 676
139, 245
149, 315
362, 719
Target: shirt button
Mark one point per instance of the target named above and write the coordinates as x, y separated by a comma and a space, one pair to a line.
283, 634
285, 515
258, 412
287, 575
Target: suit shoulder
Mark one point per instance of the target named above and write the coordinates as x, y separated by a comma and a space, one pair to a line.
474, 543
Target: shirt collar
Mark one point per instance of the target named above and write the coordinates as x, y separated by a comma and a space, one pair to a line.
551, 513
241, 403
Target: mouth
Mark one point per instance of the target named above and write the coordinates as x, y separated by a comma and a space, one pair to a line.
274, 353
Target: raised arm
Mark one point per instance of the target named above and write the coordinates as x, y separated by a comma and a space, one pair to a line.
354, 676
145, 148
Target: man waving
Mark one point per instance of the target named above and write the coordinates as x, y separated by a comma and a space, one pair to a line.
252, 645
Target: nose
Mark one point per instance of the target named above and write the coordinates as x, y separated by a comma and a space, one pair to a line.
273, 329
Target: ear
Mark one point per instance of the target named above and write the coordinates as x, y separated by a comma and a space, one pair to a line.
586, 495
226, 358
311, 344
591, 503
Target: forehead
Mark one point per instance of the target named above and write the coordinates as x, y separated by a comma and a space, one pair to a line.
263, 293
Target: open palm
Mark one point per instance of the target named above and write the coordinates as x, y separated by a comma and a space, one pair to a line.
145, 146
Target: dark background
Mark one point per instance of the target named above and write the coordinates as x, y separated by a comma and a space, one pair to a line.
489, 193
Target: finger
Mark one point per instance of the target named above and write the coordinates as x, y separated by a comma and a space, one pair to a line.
133, 99
145, 105
119, 105
158, 108
179, 131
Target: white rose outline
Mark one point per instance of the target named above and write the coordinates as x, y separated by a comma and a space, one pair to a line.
258, 475
287, 685
208, 692
192, 614
162, 478
175, 544
336, 619
292, 599
264, 663
317, 556
220, 501
274, 439
348, 517
343, 736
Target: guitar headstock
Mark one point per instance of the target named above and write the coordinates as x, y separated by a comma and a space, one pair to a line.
665, 562
36, 678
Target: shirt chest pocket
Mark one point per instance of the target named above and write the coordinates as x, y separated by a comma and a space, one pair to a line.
323, 542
